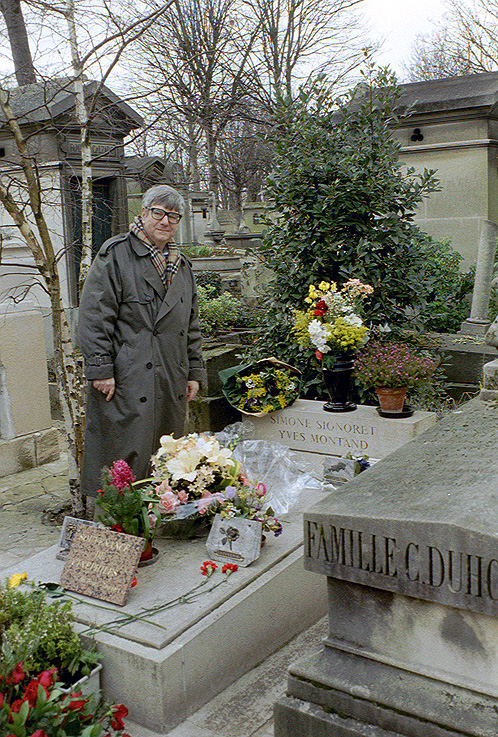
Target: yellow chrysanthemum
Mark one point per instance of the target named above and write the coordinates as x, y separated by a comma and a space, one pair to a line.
16, 579
301, 324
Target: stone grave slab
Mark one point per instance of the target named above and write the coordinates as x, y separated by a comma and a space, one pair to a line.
314, 434
165, 666
410, 551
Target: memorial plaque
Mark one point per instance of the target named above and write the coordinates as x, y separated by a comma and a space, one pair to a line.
69, 527
235, 540
101, 563
305, 427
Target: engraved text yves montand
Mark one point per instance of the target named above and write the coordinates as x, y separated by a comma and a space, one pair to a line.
323, 434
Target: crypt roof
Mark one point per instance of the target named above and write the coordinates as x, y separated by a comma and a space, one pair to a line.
54, 100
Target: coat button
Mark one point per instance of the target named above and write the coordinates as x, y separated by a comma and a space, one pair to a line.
182, 332
180, 396
148, 365
143, 399
154, 332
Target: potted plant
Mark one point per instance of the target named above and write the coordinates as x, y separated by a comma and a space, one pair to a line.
331, 326
41, 630
38, 707
123, 505
392, 368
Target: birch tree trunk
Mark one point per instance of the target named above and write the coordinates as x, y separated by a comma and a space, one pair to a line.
214, 181
86, 152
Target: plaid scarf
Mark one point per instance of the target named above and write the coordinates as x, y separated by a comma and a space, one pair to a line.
166, 265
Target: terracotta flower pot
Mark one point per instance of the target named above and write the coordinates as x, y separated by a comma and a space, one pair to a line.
391, 399
147, 551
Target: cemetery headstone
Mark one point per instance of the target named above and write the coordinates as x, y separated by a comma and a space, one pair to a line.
316, 435
410, 551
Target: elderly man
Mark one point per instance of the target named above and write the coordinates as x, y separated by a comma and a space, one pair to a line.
139, 334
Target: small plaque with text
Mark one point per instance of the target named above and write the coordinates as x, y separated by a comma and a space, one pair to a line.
102, 563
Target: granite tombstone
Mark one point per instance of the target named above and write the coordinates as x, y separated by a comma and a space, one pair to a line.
101, 563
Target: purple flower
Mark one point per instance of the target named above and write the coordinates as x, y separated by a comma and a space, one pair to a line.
230, 492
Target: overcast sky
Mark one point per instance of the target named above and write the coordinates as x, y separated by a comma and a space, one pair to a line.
399, 22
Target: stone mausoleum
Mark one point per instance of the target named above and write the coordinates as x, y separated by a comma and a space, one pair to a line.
452, 127
46, 115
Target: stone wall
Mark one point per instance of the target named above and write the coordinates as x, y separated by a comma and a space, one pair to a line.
27, 437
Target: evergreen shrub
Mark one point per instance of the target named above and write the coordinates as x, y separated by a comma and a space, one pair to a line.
346, 210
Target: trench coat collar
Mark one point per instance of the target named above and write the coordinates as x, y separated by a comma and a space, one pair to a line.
150, 272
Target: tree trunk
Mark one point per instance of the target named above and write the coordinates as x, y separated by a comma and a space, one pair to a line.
18, 39
193, 158
86, 151
214, 181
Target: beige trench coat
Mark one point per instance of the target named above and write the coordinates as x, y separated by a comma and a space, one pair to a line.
149, 340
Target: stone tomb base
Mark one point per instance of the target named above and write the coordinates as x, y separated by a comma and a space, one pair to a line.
315, 434
28, 451
394, 666
165, 669
410, 551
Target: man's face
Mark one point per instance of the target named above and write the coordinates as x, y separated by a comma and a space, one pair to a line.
160, 230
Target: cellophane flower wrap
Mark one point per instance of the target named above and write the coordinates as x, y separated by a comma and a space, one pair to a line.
195, 475
393, 365
332, 325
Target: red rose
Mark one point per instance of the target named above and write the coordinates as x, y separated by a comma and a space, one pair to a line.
2, 699
17, 675
320, 309
31, 692
14, 709
229, 568
134, 582
118, 712
319, 355
77, 702
47, 678
39, 733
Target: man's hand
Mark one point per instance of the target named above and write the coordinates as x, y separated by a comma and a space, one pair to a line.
192, 389
106, 386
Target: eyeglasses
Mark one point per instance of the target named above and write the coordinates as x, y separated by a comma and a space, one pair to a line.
158, 214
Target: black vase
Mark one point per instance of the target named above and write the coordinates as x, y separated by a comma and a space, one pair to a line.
338, 383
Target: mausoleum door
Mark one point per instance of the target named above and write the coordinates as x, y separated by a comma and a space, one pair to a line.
101, 219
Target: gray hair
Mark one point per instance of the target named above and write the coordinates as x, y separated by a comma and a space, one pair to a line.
165, 196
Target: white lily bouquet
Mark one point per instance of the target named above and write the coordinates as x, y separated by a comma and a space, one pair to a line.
194, 478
